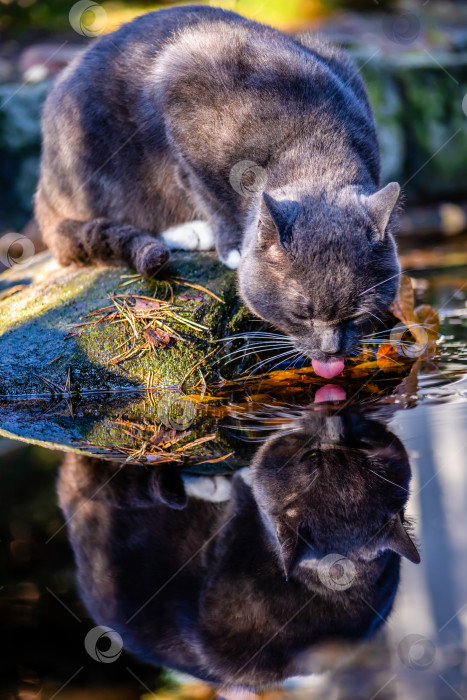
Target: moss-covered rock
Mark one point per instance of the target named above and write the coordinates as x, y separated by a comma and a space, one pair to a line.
41, 351
58, 384
155, 428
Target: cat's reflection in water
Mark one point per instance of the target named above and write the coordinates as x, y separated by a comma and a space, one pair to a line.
237, 580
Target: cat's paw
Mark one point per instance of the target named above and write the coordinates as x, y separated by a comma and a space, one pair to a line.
194, 235
232, 259
151, 258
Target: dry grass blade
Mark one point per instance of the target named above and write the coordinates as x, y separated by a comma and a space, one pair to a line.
12, 290
195, 367
186, 283
199, 441
149, 319
56, 389
216, 459
148, 442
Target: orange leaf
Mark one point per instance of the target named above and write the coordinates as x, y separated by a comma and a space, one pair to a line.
403, 305
428, 316
156, 337
187, 296
403, 309
146, 305
386, 356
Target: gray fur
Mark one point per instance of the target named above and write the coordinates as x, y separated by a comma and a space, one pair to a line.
142, 132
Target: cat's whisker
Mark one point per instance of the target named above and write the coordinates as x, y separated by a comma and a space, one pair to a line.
387, 358
399, 486
376, 317
300, 356
253, 352
252, 334
282, 361
271, 359
261, 344
386, 341
388, 279
407, 325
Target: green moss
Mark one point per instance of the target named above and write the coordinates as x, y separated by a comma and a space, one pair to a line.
35, 326
240, 320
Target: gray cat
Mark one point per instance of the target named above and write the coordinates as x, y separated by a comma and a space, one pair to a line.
267, 142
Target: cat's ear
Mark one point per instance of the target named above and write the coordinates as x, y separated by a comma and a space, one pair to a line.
282, 215
166, 486
398, 540
380, 206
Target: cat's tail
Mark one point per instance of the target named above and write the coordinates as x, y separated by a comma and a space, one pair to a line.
100, 241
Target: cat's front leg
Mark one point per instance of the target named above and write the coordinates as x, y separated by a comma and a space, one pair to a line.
200, 235
228, 245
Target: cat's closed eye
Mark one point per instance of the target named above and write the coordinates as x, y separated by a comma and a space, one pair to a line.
301, 315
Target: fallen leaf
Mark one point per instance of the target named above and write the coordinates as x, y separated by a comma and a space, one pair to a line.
156, 337
404, 303
189, 296
428, 316
146, 305
421, 321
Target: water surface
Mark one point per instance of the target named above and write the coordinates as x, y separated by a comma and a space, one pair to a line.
279, 571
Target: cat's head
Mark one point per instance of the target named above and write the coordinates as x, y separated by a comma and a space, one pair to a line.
336, 485
323, 269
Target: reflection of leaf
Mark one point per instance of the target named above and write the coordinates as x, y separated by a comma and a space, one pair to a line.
386, 356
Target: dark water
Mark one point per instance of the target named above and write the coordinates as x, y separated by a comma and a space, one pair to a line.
289, 577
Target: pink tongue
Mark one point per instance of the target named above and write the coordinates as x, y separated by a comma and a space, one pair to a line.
330, 392
328, 368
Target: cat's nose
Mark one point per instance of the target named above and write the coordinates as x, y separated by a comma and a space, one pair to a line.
330, 341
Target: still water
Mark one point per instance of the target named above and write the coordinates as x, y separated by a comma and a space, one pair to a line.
324, 557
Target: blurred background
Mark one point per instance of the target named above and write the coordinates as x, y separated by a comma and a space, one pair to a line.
412, 53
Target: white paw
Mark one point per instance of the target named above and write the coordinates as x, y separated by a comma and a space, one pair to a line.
194, 235
215, 489
205, 235
233, 259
